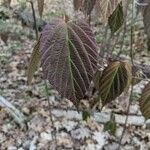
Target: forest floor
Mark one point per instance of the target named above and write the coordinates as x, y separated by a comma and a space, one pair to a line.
71, 131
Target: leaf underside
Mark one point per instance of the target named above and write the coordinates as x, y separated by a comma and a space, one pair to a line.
68, 57
114, 80
145, 102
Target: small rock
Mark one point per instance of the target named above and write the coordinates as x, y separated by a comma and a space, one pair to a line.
80, 133
134, 109
12, 148
100, 138
21, 148
26, 144
119, 131
90, 147
33, 143
112, 146
70, 125
26, 110
46, 136
64, 140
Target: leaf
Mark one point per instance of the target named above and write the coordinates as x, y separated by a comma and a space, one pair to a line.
111, 126
88, 6
116, 20
105, 8
146, 20
96, 78
77, 4
85, 115
116, 77
68, 57
145, 102
34, 62
40, 7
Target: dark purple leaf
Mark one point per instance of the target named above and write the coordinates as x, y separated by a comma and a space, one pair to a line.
68, 57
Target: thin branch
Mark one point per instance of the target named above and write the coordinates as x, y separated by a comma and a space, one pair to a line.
18, 116
50, 114
46, 87
143, 79
116, 41
104, 40
34, 18
123, 38
126, 120
131, 93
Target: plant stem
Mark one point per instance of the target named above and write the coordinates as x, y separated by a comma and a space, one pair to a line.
34, 18
50, 114
46, 86
123, 38
126, 121
131, 93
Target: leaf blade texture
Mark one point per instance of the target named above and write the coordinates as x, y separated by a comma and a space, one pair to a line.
68, 57
115, 21
145, 102
115, 78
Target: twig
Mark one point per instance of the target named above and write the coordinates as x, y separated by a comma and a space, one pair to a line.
46, 87
126, 120
51, 115
143, 79
34, 18
104, 40
116, 41
123, 38
18, 116
131, 93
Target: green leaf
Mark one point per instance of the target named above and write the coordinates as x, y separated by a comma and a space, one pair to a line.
69, 55
85, 115
96, 78
115, 78
145, 102
34, 63
110, 126
116, 20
